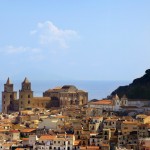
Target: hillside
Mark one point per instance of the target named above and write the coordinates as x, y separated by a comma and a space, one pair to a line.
139, 88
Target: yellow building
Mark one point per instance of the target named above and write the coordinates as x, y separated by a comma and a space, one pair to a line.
129, 126
26, 99
146, 120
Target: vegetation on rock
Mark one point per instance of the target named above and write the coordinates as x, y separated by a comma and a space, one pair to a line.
139, 88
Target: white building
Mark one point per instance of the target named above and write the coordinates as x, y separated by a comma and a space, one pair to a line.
63, 142
32, 139
110, 105
138, 102
15, 135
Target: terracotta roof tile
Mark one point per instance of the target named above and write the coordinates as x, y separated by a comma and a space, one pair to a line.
14, 131
47, 137
28, 130
92, 147
130, 122
25, 139
103, 102
77, 142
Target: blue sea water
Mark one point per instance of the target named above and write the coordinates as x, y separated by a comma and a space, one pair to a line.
95, 89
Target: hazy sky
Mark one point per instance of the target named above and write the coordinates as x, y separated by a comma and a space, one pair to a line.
80, 39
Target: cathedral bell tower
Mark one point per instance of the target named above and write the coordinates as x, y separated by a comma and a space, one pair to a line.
124, 101
25, 94
116, 102
8, 96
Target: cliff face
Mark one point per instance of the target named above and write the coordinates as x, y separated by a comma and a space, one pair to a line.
139, 88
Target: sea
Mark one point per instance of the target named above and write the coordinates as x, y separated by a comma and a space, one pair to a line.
95, 89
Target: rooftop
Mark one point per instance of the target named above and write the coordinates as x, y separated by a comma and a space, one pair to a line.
102, 102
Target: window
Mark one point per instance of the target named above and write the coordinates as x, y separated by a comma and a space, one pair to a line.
105, 132
28, 96
28, 102
10, 96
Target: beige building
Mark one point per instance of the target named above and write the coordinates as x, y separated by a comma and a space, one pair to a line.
57, 97
27, 99
14, 135
144, 144
8, 96
67, 95
95, 124
110, 123
96, 139
143, 130
129, 126
63, 141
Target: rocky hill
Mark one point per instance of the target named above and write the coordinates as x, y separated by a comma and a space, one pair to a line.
139, 88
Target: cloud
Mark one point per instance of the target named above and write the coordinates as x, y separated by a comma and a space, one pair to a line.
20, 49
44, 41
32, 54
51, 36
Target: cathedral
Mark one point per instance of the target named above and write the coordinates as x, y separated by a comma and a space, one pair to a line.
67, 95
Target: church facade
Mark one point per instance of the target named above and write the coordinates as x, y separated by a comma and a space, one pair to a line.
113, 104
67, 95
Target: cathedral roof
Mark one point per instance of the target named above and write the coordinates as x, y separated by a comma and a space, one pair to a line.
68, 87
8, 81
26, 80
